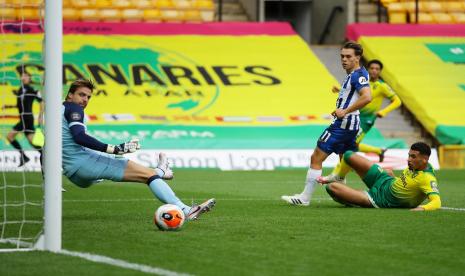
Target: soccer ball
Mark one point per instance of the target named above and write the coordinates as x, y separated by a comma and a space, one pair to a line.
169, 217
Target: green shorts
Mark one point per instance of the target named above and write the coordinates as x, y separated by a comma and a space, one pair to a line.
379, 183
367, 122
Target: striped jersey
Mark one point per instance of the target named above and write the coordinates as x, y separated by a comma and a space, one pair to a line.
348, 95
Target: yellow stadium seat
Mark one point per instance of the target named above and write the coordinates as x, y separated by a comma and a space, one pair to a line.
89, 15
454, 6
142, 4
103, 4
122, 4
81, 4
458, 17
70, 14
432, 6
8, 13
110, 15
152, 15
182, 4
398, 18
28, 14
423, 18
396, 7
442, 18
164, 4
66, 3
172, 15
207, 16
386, 3
192, 16
204, 4
132, 15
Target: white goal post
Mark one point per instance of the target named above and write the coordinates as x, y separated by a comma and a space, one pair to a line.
53, 143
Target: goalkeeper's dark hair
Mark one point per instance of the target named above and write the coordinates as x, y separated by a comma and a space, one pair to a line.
358, 49
81, 83
375, 61
421, 147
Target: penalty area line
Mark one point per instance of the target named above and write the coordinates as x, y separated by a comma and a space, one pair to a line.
121, 263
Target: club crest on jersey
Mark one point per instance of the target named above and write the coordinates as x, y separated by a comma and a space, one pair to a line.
362, 80
434, 186
75, 116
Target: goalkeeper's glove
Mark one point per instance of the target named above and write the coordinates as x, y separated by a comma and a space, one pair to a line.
124, 148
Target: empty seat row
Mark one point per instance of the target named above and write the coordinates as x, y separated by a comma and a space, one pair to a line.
428, 6
427, 18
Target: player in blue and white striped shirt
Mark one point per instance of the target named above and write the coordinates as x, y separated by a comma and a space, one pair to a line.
340, 136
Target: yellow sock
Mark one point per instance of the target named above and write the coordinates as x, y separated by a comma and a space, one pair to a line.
341, 169
344, 168
368, 148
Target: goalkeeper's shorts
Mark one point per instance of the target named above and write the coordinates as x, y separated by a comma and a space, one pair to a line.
99, 166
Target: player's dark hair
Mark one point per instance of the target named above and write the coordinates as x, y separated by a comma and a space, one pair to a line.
422, 148
354, 45
80, 83
375, 61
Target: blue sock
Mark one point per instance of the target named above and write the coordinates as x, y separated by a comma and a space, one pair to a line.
164, 193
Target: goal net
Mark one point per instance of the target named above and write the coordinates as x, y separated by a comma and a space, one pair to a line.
22, 71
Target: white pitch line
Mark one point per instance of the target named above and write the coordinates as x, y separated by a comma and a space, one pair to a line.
453, 209
121, 263
185, 199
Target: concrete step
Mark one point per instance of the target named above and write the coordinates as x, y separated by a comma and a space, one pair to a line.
232, 8
235, 17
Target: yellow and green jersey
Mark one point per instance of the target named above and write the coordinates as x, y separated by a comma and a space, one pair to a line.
411, 188
379, 91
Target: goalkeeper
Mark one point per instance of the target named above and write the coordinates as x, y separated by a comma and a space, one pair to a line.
409, 190
368, 115
87, 160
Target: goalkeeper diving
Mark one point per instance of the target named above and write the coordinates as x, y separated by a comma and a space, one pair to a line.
86, 160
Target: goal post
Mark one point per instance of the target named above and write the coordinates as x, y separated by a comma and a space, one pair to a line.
53, 144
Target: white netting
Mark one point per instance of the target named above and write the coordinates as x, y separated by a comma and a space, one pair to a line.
21, 187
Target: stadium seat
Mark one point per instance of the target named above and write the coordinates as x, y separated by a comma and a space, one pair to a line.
423, 18
70, 14
164, 4
432, 6
192, 16
398, 18
204, 4
182, 4
103, 4
122, 4
458, 17
453, 6
396, 7
152, 15
90, 15
442, 18
81, 4
110, 15
132, 15
8, 13
141, 4
172, 15
207, 16
28, 14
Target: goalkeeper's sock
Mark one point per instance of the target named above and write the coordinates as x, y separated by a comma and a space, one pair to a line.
163, 192
367, 148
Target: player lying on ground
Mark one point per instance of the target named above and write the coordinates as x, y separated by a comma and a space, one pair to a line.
368, 115
340, 135
409, 190
87, 160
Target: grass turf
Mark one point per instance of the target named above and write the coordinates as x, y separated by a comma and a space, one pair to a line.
250, 231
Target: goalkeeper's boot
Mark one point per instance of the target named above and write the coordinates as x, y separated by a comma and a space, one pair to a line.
23, 160
381, 155
164, 165
197, 210
297, 199
330, 179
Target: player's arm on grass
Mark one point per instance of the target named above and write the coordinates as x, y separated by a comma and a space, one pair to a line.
430, 188
74, 115
395, 101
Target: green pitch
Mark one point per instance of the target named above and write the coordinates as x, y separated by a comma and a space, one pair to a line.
250, 231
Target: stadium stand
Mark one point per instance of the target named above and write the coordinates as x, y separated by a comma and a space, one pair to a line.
430, 12
425, 70
118, 10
